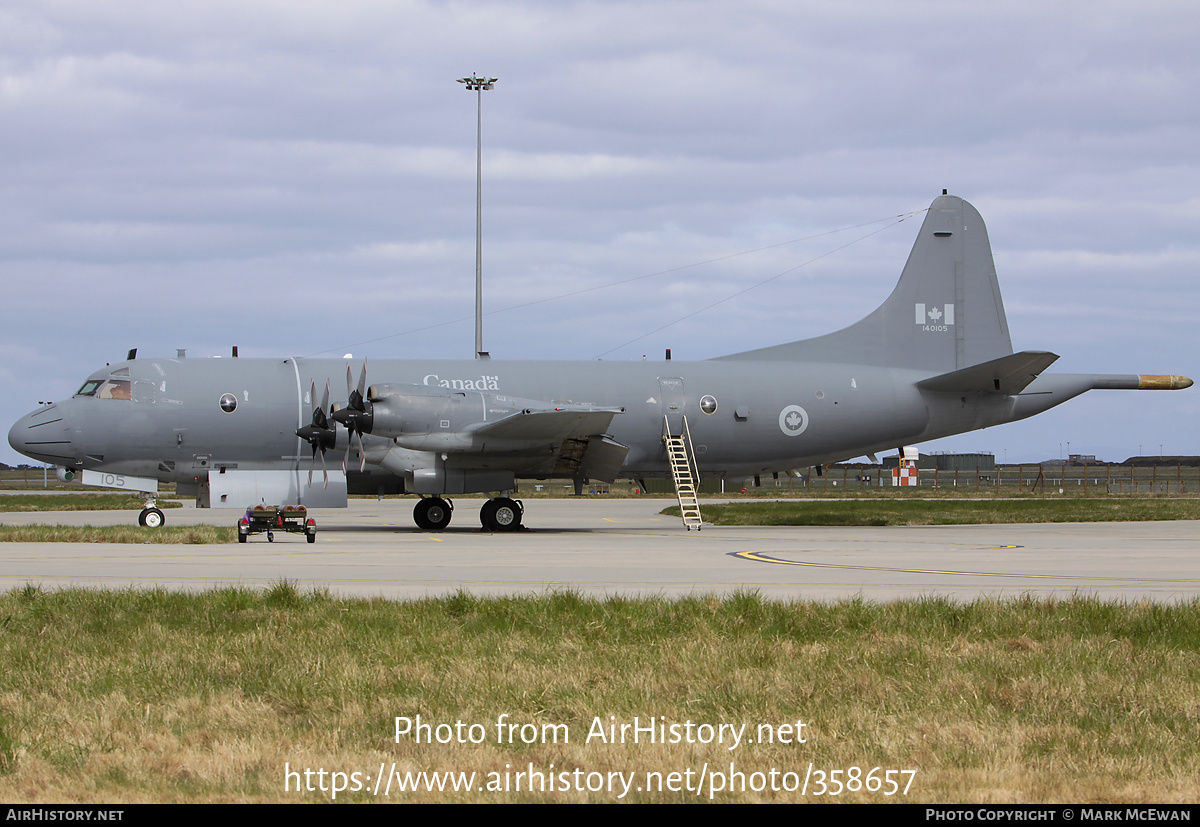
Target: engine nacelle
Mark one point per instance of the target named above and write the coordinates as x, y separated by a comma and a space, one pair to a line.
411, 414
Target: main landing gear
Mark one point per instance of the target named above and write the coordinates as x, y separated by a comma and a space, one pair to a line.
497, 514
501, 514
432, 513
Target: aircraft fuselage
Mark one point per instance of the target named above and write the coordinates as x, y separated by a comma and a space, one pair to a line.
744, 418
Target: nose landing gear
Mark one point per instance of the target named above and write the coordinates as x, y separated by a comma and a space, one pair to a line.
151, 516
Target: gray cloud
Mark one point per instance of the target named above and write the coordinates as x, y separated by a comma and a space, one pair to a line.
162, 164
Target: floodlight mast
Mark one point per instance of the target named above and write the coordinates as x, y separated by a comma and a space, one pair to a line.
479, 85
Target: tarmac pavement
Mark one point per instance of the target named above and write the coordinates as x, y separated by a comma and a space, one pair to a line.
602, 547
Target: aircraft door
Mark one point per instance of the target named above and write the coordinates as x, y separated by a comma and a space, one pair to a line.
671, 399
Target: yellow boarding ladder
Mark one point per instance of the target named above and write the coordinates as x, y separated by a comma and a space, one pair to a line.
683, 471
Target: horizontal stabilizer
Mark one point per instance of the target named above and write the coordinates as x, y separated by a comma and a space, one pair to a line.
1008, 374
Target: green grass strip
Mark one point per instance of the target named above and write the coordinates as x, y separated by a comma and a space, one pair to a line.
76, 502
894, 512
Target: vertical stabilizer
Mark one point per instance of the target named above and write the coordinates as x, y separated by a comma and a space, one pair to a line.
945, 313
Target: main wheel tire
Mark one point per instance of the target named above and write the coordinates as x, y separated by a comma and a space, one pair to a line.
432, 513
501, 514
152, 518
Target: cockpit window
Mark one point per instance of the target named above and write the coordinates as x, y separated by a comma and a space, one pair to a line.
107, 388
116, 389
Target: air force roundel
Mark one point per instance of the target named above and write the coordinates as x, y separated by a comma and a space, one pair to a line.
793, 420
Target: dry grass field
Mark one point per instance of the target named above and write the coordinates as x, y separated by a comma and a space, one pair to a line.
234, 695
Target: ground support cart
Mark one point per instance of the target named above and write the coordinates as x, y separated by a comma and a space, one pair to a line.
271, 518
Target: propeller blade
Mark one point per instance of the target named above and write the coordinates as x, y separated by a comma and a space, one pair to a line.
355, 415
319, 433
362, 453
326, 407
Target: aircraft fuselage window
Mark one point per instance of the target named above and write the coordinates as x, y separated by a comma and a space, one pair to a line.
89, 388
228, 402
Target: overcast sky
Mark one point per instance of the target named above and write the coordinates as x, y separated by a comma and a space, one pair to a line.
298, 178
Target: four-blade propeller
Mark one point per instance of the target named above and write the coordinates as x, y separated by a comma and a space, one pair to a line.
356, 416
318, 434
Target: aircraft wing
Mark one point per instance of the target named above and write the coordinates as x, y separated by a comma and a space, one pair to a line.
1007, 375
537, 427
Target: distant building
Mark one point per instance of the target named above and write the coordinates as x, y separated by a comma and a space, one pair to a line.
949, 462
965, 462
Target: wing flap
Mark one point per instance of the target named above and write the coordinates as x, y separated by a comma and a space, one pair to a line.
593, 458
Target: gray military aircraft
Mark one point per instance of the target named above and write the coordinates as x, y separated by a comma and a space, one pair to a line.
935, 359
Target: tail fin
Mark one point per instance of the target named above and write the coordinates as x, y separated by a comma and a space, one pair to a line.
945, 314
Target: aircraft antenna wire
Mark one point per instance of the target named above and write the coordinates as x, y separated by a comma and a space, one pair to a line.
899, 220
896, 219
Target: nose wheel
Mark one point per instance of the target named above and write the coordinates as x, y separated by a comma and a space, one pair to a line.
501, 514
151, 518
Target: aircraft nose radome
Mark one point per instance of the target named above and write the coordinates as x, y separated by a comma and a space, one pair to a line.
35, 436
17, 433
13, 440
